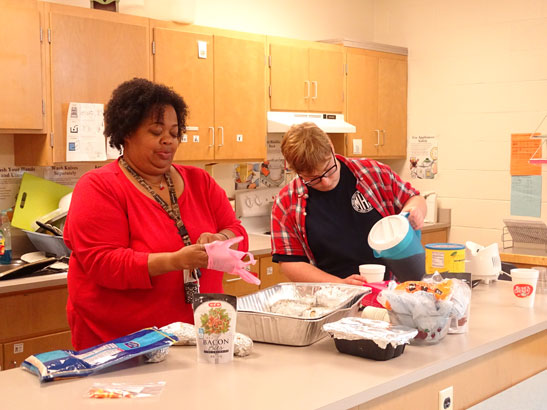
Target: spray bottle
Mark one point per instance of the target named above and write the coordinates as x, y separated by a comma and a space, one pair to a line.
5, 238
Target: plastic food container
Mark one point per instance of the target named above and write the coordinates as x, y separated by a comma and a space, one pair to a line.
430, 329
394, 240
371, 339
441, 257
255, 318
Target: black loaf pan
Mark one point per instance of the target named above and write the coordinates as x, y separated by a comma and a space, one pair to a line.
368, 349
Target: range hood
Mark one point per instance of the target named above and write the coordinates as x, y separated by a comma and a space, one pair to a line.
330, 123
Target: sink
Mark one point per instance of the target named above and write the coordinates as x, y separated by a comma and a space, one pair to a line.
14, 264
26, 270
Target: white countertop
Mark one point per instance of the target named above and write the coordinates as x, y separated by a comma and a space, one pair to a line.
34, 282
283, 377
260, 244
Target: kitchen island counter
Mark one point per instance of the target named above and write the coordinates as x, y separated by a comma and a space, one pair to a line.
318, 376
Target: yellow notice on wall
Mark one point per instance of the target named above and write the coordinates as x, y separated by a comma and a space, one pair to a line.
522, 149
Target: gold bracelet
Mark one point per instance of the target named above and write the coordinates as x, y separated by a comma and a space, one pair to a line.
223, 234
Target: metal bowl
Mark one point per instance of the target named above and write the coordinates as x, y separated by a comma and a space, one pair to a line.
255, 319
49, 244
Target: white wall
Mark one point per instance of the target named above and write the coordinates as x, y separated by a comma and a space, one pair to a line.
301, 19
476, 75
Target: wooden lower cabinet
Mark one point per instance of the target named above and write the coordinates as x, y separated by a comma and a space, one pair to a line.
234, 285
31, 322
268, 272
33, 313
16, 352
439, 236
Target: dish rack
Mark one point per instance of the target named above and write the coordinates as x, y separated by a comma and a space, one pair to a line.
523, 232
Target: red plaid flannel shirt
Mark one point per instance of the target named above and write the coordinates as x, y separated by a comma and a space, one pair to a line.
382, 187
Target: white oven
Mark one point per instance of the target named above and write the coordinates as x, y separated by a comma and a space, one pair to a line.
253, 208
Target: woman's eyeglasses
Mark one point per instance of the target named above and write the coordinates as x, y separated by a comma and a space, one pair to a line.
328, 172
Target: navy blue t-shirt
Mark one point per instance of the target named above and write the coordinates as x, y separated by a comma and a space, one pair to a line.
337, 225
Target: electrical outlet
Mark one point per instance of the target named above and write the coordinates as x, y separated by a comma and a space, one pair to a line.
446, 399
357, 146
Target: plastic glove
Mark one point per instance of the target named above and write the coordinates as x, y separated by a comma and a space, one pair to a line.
224, 259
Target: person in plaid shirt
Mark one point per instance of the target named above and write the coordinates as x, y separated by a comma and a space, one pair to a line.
321, 219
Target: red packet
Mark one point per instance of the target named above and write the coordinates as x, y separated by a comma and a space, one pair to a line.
376, 287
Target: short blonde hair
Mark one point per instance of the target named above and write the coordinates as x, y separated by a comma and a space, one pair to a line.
305, 147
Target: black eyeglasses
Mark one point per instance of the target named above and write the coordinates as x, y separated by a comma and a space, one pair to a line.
331, 170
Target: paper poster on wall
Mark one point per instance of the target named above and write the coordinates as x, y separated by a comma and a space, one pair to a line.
522, 149
10, 181
423, 156
269, 173
526, 195
272, 170
67, 174
112, 153
84, 132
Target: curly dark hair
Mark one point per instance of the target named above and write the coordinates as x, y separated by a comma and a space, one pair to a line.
135, 100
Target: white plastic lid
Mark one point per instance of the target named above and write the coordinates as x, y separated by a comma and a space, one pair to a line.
388, 232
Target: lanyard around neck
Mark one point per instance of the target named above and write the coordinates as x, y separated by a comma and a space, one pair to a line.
174, 210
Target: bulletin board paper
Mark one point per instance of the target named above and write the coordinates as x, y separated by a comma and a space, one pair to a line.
10, 181
522, 149
84, 132
526, 195
423, 156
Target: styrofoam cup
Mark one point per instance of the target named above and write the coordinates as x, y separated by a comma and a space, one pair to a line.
372, 273
542, 279
524, 286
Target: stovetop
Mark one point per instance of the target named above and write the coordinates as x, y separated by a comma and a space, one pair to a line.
254, 207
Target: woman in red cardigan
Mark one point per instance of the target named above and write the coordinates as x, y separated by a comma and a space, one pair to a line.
136, 227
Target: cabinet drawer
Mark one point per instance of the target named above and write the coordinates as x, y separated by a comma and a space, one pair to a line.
16, 352
29, 314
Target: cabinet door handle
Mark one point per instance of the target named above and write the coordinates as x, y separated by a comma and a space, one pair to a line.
377, 138
221, 129
315, 89
308, 89
213, 143
232, 280
383, 137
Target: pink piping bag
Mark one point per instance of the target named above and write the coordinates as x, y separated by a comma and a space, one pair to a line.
224, 259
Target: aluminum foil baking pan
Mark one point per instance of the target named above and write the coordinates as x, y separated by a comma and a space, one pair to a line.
255, 320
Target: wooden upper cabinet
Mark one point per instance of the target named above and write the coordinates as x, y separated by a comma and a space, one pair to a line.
392, 105
327, 80
306, 76
289, 78
224, 87
178, 65
377, 102
21, 79
240, 98
91, 53
90, 56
